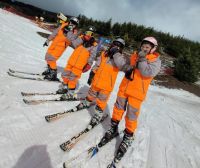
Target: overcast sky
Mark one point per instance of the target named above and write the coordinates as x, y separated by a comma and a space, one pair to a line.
178, 17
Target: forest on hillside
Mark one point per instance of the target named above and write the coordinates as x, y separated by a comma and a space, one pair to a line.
186, 52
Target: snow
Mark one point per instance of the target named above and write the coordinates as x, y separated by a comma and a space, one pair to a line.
168, 133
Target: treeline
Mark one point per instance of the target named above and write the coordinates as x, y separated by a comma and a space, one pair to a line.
186, 52
29, 10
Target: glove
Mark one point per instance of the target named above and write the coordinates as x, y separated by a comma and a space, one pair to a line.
142, 55
91, 76
86, 68
68, 28
113, 51
46, 43
129, 73
88, 41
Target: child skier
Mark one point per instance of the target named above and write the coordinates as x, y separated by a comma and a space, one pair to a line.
145, 65
102, 79
79, 62
61, 38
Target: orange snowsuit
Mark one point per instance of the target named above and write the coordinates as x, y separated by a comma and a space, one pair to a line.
132, 93
104, 79
79, 58
60, 42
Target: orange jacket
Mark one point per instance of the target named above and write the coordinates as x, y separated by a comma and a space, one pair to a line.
105, 75
59, 43
138, 87
79, 57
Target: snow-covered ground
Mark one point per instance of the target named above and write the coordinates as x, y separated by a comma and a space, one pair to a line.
168, 134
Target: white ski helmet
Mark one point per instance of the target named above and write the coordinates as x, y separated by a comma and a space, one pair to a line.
92, 28
74, 20
151, 40
121, 41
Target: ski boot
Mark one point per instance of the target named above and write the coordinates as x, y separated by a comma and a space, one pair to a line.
123, 147
97, 116
63, 89
110, 134
47, 71
70, 95
52, 76
84, 104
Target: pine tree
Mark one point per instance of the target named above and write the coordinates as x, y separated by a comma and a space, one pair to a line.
187, 66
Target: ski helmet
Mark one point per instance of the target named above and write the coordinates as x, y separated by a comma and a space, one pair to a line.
92, 28
74, 20
119, 42
152, 41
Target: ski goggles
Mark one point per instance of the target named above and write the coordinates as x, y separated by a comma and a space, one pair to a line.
89, 33
73, 23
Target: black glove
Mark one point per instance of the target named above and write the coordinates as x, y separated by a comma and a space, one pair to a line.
46, 43
68, 28
113, 50
88, 43
130, 73
91, 76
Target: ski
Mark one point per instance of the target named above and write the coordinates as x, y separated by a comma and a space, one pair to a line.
95, 149
77, 161
89, 153
23, 72
118, 156
56, 116
39, 94
46, 94
112, 165
35, 102
68, 145
37, 78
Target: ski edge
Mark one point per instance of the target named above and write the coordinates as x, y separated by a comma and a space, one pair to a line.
39, 78
80, 135
23, 72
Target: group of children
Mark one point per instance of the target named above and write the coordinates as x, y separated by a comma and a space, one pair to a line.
139, 69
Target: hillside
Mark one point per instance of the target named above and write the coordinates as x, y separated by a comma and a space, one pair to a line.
170, 76
167, 135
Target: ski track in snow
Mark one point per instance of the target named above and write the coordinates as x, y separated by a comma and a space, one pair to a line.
168, 133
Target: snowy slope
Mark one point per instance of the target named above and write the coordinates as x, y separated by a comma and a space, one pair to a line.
168, 134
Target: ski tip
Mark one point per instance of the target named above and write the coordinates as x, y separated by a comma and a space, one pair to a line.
25, 101
65, 148
10, 70
64, 166
47, 118
62, 147
9, 73
112, 165
23, 93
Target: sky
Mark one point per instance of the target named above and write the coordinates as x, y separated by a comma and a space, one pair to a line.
178, 17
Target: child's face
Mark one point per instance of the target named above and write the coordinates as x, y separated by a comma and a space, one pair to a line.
146, 48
